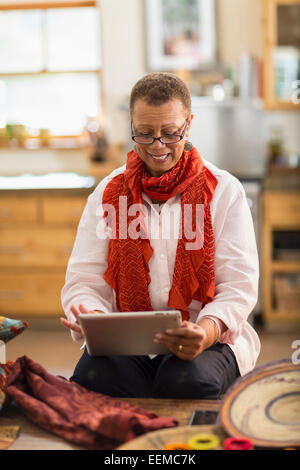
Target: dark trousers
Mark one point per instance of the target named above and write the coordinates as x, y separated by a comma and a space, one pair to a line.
166, 376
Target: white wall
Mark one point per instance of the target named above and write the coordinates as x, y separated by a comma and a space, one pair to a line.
239, 29
38, 162
124, 58
124, 47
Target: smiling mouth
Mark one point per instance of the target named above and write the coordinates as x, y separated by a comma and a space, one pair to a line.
160, 157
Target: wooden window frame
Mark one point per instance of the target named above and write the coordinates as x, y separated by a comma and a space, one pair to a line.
46, 6
269, 21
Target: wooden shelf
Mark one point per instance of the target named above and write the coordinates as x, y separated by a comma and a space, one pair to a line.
284, 316
280, 211
285, 266
270, 24
276, 105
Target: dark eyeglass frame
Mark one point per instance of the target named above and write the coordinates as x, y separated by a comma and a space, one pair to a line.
180, 136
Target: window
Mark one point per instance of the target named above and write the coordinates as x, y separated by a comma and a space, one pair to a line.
50, 67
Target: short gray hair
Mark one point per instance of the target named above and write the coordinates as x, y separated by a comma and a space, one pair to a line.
158, 88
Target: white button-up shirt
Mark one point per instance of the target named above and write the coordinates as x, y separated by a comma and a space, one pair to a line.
236, 262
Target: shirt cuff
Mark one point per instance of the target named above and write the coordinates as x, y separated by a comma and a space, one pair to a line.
233, 321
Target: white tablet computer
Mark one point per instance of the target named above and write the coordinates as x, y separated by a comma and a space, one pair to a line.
126, 333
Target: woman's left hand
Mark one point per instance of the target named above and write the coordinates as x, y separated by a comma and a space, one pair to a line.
188, 341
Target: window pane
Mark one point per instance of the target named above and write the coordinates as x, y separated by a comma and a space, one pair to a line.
58, 102
20, 41
73, 38
287, 70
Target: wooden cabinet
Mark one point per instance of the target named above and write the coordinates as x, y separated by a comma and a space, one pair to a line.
37, 233
281, 263
31, 293
281, 59
70, 209
14, 210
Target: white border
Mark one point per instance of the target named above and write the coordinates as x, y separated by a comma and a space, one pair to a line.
157, 60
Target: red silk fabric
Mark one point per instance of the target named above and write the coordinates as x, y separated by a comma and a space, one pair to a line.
128, 271
81, 416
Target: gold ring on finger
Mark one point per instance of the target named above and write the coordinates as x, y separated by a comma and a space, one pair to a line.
180, 347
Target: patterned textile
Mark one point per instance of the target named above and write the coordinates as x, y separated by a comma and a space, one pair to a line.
128, 271
10, 328
8, 434
4, 372
87, 418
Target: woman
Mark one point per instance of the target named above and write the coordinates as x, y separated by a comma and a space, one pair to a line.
213, 281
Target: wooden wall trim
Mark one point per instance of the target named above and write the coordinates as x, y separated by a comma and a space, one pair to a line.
48, 4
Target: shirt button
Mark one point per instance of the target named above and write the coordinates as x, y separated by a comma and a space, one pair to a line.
166, 290
162, 256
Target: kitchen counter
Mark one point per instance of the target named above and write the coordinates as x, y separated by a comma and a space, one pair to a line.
49, 181
59, 192
84, 192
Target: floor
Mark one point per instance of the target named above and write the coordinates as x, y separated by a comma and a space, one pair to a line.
32, 437
50, 344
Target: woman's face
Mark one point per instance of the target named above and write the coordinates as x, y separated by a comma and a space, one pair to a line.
168, 118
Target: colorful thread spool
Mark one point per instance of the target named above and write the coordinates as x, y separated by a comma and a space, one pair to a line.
238, 443
177, 446
204, 442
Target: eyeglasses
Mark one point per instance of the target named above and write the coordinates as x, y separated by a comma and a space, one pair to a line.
164, 139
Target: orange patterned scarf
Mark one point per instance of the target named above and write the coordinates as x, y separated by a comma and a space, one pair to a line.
128, 270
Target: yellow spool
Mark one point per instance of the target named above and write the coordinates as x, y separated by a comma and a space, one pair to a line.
204, 442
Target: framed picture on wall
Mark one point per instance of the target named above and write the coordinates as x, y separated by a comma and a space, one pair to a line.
181, 34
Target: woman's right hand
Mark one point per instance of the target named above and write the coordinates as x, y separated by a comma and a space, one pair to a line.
74, 326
